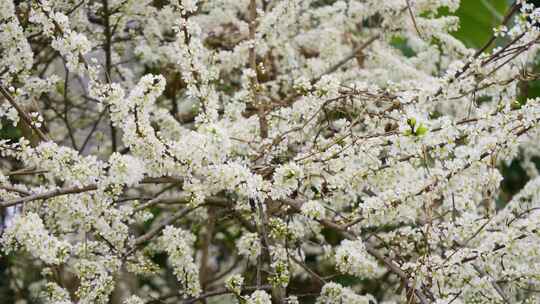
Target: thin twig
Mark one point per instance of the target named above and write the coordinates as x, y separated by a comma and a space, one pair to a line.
157, 229
409, 8
495, 285
75, 190
42, 136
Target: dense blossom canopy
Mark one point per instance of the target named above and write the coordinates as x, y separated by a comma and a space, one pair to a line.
257, 151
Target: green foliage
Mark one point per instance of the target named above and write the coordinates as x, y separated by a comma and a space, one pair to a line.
514, 180
401, 44
478, 18
8, 131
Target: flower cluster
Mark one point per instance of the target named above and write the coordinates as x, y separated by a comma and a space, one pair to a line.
352, 258
178, 244
29, 232
335, 293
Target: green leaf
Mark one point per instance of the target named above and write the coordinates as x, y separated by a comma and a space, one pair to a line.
8, 131
477, 20
411, 122
421, 130
515, 105
400, 43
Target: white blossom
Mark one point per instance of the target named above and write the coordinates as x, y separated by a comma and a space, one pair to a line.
29, 232
249, 246
313, 209
178, 245
234, 283
259, 297
352, 258
335, 293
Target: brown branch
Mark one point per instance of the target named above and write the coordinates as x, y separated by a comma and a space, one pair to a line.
204, 271
13, 189
156, 230
317, 277
47, 195
254, 80
42, 136
75, 190
108, 61
409, 8
26, 172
